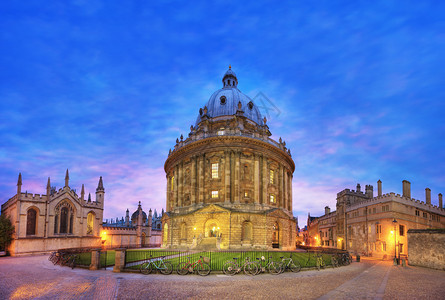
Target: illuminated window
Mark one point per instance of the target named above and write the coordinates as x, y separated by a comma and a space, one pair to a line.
246, 194
215, 170
214, 194
172, 184
401, 230
271, 179
272, 198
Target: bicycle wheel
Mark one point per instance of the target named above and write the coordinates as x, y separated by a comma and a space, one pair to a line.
182, 268
166, 268
295, 267
250, 268
275, 268
203, 269
230, 268
146, 268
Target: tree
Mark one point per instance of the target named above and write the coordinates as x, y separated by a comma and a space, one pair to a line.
6, 231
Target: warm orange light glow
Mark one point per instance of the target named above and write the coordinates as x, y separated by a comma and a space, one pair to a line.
392, 231
316, 238
194, 228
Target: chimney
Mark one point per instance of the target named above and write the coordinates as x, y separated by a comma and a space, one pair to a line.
440, 201
327, 210
406, 189
428, 196
369, 190
358, 187
379, 187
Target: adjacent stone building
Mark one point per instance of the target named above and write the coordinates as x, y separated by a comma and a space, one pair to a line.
229, 185
375, 226
55, 220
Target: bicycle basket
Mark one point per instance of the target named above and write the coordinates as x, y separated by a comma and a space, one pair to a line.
206, 259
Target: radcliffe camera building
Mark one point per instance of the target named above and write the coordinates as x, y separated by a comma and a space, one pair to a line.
377, 226
229, 185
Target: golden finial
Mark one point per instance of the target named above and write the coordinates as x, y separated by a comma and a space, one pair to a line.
230, 67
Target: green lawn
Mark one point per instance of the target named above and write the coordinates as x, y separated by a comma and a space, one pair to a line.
218, 259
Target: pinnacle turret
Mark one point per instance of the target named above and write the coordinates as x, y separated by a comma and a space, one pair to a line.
19, 181
82, 192
67, 178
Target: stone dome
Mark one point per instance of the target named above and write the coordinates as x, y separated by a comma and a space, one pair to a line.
134, 217
225, 102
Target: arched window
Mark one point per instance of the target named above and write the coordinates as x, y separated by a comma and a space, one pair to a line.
64, 220
276, 234
56, 223
31, 219
247, 231
158, 226
90, 223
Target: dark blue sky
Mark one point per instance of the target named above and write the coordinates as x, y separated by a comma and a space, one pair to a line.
105, 88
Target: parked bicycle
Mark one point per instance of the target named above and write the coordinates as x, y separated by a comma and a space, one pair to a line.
272, 267
320, 262
289, 264
334, 261
165, 267
233, 267
201, 266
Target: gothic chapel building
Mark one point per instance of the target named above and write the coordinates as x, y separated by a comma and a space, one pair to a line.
229, 185
59, 219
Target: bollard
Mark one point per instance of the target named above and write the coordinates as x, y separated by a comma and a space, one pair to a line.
358, 258
403, 262
395, 261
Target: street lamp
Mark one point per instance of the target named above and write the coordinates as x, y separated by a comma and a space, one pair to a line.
394, 222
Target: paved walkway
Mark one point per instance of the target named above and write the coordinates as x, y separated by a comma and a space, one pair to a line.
36, 278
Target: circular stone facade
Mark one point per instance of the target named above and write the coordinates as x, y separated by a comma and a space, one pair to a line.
229, 185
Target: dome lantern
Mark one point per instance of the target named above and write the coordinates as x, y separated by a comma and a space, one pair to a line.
229, 79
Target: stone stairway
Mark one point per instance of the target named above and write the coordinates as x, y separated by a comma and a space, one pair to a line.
208, 243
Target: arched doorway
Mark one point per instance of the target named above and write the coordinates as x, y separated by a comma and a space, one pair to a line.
165, 237
212, 228
276, 235
143, 239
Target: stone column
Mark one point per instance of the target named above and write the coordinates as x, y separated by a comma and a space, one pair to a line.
232, 176
119, 260
204, 190
200, 180
279, 186
181, 185
285, 187
227, 176
290, 193
168, 194
265, 178
256, 179
193, 181
95, 259
237, 176
175, 188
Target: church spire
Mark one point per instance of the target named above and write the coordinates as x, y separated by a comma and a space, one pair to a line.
67, 178
100, 186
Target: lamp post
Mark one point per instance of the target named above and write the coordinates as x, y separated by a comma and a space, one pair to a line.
394, 222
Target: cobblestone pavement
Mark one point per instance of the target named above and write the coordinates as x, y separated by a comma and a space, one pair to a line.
36, 278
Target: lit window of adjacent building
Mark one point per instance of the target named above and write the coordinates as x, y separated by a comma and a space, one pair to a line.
246, 194
272, 198
402, 230
214, 194
271, 179
215, 170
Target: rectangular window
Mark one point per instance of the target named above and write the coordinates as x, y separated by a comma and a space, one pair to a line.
172, 183
374, 210
384, 247
271, 179
402, 230
425, 215
401, 248
215, 170
246, 194
272, 198
214, 194
417, 213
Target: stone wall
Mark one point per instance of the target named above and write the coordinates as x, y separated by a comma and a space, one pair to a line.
427, 248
